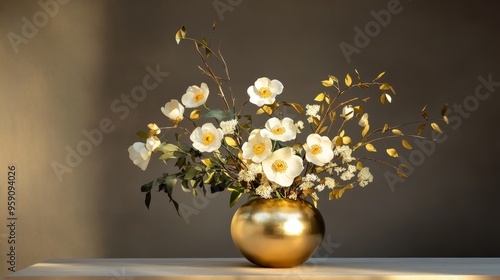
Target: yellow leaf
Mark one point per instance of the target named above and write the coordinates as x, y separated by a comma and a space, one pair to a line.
370, 148
385, 86
392, 152
386, 127
445, 119
327, 83
346, 140
181, 34
230, 141
327, 99
195, 114
316, 120
379, 76
260, 111
397, 132
436, 127
320, 97
365, 130
207, 162
332, 115
406, 144
342, 133
359, 165
323, 129
348, 80
338, 141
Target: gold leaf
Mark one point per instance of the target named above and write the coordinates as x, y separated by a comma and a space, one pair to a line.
320, 97
296, 106
392, 90
404, 166
401, 174
359, 165
359, 76
406, 144
392, 152
327, 83
207, 162
365, 130
315, 120
260, 111
382, 98
230, 142
444, 110
370, 148
327, 99
397, 132
424, 114
386, 127
348, 80
346, 140
195, 114
323, 129
436, 127
333, 115
181, 34
379, 76
267, 109
445, 119
338, 141
420, 128
385, 86
342, 133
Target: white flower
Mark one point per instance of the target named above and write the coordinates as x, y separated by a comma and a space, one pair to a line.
255, 168
312, 110
173, 110
319, 149
140, 153
206, 138
320, 187
348, 173
246, 176
345, 152
195, 96
282, 166
310, 177
364, 177
257, 148
305, 185
264, 91
279, 130
264, 191
347, 112
364, 120
329, 182
229, 127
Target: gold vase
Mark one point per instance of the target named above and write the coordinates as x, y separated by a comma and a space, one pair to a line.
277, 232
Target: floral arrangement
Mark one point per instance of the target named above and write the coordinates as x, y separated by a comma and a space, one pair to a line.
227, 150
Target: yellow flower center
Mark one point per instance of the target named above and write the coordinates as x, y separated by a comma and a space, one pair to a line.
264, 92
198, 96
208, 138
279, 166
259, 148
316, 149
278, 130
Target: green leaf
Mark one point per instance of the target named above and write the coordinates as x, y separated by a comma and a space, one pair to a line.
190, 173
147, 187
235, 195
217, 114
147, 200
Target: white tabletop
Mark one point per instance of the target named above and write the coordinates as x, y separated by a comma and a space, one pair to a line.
235, 268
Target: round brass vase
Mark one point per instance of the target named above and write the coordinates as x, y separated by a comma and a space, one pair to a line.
277, 232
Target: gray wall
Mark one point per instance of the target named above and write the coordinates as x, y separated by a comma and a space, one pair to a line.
61, 80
